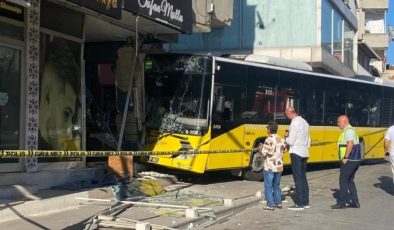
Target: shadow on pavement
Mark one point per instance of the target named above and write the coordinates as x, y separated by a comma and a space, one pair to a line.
335, 193
38, 225
386, 184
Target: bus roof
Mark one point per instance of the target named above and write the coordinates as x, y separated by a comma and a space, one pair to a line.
357, 78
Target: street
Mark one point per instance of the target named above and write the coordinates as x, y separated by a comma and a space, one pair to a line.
374, 183
375, 189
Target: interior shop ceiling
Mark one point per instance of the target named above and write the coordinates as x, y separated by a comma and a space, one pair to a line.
98, 30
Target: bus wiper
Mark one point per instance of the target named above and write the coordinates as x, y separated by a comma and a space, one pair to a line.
173, 135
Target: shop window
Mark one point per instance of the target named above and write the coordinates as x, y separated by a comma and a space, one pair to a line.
101, 129
60, 99
10, 72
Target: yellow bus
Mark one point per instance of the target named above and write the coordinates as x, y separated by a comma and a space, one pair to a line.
218, 104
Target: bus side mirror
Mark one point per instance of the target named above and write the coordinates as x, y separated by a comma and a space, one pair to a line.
220, 104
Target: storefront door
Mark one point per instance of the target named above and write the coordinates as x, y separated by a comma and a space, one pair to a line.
10, 100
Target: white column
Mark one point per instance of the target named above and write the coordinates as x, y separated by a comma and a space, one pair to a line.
32, 81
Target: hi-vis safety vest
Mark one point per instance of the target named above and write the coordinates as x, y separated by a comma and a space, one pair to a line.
355, 154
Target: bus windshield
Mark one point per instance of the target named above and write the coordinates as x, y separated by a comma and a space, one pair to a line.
189, 107
185, 99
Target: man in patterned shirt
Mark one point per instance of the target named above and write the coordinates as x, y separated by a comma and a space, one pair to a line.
272, 151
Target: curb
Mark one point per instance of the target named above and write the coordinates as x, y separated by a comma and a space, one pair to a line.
40, 207
218, 213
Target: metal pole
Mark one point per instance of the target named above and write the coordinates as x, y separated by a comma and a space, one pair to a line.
122, 127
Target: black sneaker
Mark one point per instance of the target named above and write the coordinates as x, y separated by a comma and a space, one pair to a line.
355, 205
296, 208
338, 206
278, 206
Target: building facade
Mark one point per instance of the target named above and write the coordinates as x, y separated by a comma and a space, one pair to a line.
373, 37
64, 67
321, 33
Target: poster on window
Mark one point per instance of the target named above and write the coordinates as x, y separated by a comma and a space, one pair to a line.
60, 89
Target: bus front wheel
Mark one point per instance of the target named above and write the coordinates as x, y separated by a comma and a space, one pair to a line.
248, 174
255, 170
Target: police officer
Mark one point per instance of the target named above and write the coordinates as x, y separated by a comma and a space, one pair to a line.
350, 156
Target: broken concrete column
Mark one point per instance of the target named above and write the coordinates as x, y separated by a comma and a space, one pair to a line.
228, 202
191, 213
143, 226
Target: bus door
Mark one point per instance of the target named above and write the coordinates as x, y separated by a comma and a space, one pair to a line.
227, 129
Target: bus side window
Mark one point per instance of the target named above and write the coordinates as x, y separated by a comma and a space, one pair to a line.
335, 100
364, 105
229, 102
288, 94
223, 104
311, 104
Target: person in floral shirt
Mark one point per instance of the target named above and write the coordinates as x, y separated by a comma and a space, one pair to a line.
272, 151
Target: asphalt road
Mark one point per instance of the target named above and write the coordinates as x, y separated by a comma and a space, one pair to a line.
374, 183
376, 193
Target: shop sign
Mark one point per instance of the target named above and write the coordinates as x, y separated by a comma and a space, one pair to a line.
176, 14
10, 10
112, 8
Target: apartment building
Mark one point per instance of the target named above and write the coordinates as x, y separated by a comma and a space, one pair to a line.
373, 38
326, 34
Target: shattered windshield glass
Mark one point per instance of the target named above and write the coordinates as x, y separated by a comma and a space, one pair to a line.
189, 105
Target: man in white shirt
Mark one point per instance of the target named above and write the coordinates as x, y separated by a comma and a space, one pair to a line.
299, 142
389, 146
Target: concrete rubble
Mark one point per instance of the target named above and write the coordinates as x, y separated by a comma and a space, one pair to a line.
149, 201
160, 196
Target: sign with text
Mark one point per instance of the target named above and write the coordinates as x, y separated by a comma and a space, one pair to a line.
112, 8
10, 10
176, 14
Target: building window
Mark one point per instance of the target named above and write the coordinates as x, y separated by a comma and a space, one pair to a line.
374, 22
348, 45
337, 36
326, 26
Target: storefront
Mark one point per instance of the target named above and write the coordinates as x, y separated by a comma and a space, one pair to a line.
12, 69
46, 70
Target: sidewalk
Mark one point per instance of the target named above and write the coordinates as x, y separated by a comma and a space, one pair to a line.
77, 213
53, 202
